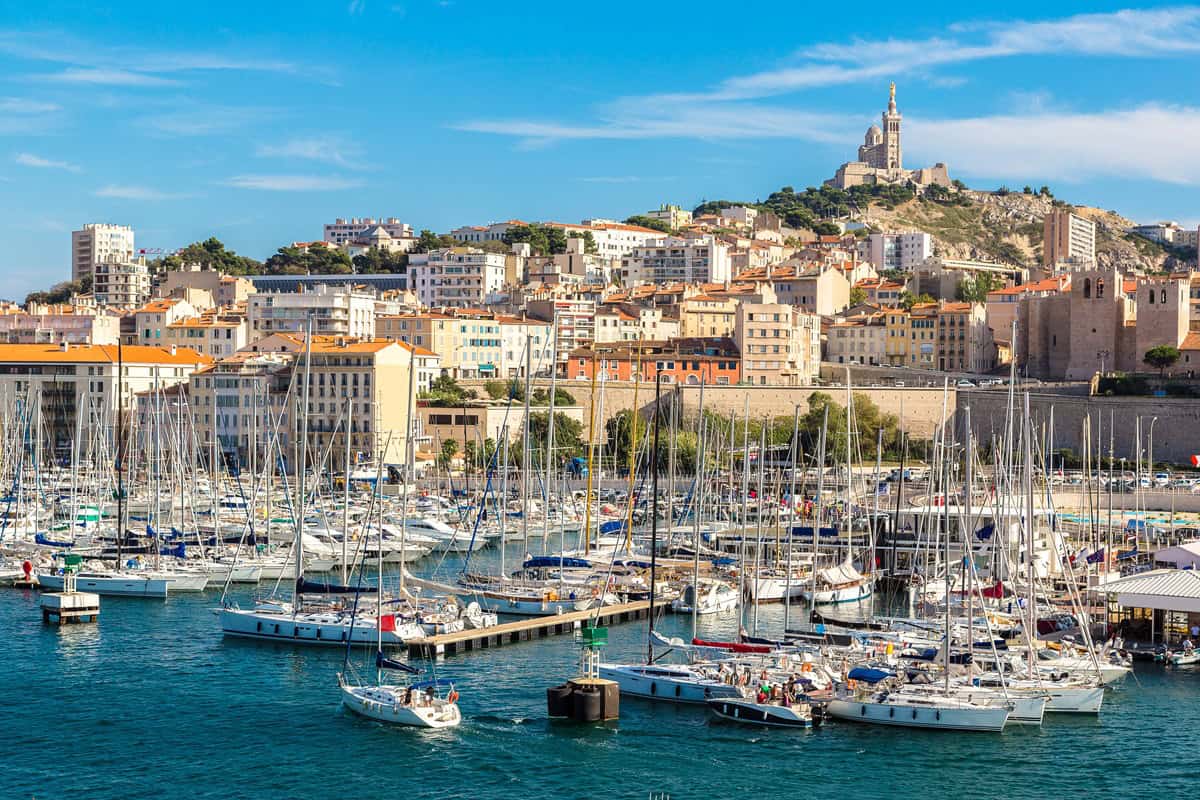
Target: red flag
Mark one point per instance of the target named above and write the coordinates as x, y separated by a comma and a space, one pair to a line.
387, 623
1196, 461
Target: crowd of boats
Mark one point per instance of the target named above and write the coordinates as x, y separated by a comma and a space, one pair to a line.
996, 629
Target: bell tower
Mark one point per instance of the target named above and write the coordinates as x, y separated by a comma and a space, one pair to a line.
891, 133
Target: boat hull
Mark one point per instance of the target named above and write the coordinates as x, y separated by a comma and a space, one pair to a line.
313, 629
751, 713
666, 684
989, 720
111, 586
386, 704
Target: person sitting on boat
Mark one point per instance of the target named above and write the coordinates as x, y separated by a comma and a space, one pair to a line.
1187, 645
763, 694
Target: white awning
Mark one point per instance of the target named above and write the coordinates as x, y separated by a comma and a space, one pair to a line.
1162, 589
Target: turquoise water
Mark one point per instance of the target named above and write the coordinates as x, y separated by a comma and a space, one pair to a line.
153, 703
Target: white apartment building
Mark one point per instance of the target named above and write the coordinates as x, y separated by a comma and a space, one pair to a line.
616, 239
335, 311
99, 242
457, 277
673, 215
151, 320
212, 334
492, 232
121, 284
341, 231
862, 340
704, 259
516, 334
1068, 239
576, 323
61, 324
896, 250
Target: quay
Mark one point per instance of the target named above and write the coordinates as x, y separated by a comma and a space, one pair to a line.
524, 630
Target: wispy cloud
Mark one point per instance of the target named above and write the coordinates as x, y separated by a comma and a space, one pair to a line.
1154, 142
356, 6
99, 63
293, 183
735, 107
200, 119
23, 105
94, 76
328, 149
30, 160
119, 192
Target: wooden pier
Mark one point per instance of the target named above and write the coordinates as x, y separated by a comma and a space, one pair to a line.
524, 630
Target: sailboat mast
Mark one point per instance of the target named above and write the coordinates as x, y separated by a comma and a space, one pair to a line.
591, 446
697, 505
550, 453
654, 516
787, 580
301, 466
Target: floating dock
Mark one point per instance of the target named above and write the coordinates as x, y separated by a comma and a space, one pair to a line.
524, 630
63, 608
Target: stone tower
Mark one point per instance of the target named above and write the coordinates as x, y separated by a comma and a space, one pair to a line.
891, 134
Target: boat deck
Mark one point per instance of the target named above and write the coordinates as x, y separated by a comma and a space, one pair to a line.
524, 630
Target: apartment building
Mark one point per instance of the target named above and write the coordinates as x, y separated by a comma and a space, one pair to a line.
575, 318
458, 277
99, 242
705, 259
71, 380
151, 320
469, 344
691, 361
617, 322
55, 324
334, 310
707, 315
342, 231
892, 251
859, 340
214, 334
1067, 239
120, 284
780, 345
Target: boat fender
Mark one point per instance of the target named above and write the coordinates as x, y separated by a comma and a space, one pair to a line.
807, 667
452, 697
851, 684
914, 713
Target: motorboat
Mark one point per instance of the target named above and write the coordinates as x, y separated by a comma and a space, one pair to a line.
715, 597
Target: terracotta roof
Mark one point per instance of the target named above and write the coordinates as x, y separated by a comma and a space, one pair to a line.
98, 354
1191, 341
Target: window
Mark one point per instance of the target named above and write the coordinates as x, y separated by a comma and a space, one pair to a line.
1087, 288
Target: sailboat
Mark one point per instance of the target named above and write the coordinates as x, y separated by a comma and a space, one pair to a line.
414, 705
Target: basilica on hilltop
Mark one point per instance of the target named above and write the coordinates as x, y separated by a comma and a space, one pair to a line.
881, 158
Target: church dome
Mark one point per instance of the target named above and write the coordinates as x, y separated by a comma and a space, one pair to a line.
874, 136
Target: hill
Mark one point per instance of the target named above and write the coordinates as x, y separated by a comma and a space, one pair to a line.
987, 226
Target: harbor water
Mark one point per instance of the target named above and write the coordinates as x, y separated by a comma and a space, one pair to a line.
153, 702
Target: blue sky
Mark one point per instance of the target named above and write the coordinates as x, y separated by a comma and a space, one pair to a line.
220, 118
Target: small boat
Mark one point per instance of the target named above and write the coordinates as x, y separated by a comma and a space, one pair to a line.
113, 584
676, 683
418, 705
780, 714
715, 597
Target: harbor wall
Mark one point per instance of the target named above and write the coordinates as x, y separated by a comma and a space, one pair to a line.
919, 409
1176, 433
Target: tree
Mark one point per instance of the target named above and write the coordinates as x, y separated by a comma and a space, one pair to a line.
642, 221
1045, 192
826, 229
543, 240
908, 299
1027, 190
589, 241
444, 391
428, 240
61, 292
505, 389
377, 261
1162, 357
317, 259
446, 456
936, 192
541, 397
975, 288
209, 254
568, 434
858, 296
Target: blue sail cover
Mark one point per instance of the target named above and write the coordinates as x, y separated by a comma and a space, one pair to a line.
551, 561
382, 662
612, 526
315, 587
806, 530
433, 683
178, 551
42, 539
869, 675
986, 531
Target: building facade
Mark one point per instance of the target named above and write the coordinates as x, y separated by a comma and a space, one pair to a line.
99, 242
335, 311
1067, 240
457, 277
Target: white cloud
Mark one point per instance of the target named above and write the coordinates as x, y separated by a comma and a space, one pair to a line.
22, 105
329, 149
30, 160
105, 77
199, 119
356, 6
292, 183
1160, 143
120, 192
724, 111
